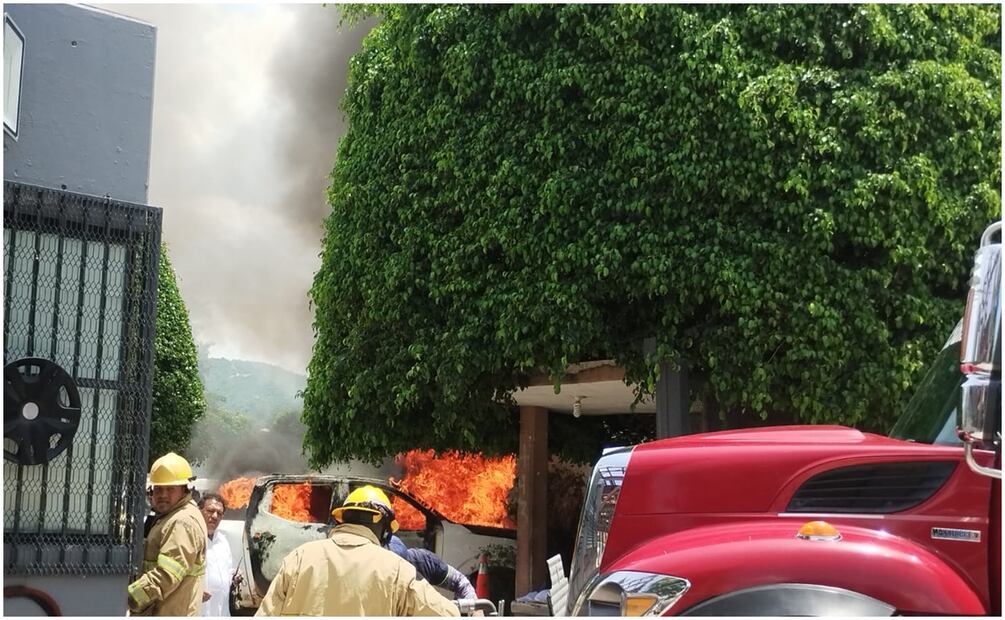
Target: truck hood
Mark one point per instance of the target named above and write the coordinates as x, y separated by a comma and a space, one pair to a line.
751, 470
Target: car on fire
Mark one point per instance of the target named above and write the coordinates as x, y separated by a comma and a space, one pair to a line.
286, 511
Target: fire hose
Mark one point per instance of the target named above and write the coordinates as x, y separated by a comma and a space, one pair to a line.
40, 598
468, 606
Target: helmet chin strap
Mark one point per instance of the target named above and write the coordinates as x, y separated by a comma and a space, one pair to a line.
385, 533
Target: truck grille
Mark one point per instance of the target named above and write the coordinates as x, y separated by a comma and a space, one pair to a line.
874, 488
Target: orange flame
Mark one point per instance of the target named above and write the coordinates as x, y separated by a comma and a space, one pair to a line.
408, 517
465, 488
237, 492
293, 502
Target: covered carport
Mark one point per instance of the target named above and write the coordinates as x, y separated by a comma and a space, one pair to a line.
588, 388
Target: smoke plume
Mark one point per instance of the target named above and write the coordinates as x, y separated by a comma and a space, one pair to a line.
246, 123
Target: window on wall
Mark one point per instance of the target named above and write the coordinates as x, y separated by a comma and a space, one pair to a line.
13, 62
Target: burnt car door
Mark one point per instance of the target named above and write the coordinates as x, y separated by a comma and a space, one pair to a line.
286, 511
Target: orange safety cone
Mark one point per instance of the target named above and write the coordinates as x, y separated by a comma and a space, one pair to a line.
482, 581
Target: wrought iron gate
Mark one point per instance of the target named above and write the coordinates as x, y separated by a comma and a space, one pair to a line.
80, 290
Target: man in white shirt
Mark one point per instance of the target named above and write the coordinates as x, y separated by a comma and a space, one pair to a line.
219, 559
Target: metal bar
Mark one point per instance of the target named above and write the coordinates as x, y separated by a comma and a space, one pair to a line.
33, 297
90, 203
128, 370
97, 374
16, 530
29, 349
43, 504
148, 333
54, 337
105, 384
10, 251
123, 428
32, 315
80, 304
65, 519
71, 538
68, 468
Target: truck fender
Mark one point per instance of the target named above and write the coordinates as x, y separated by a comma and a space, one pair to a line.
721, 559
792, 599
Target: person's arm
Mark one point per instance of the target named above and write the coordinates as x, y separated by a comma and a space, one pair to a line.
439, 573
178, 558
422, 599
428, 565
457, 583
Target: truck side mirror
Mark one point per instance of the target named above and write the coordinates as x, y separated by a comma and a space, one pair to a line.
980, 355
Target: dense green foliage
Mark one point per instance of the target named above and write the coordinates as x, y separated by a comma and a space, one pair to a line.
178, 401
786, 197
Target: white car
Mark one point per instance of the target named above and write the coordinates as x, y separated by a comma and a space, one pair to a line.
267, 537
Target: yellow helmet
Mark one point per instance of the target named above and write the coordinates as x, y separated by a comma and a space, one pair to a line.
170, 470
370, 499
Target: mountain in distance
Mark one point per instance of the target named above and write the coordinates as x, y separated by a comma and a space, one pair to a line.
258, 391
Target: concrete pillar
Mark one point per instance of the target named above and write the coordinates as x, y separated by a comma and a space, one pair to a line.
532, 501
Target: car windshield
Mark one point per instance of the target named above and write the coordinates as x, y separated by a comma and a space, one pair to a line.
930, 416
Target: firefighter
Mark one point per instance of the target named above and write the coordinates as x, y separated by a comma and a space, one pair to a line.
350, 573
174, 557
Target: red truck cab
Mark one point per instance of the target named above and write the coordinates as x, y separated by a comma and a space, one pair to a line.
814, 520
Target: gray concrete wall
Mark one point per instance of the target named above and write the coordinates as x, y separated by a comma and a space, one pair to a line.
85, 126
86, 102
93, 595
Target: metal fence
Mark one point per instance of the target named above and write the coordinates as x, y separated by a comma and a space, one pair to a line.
80, 289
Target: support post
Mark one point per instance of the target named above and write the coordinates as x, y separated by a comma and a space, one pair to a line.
673, 405
532, 500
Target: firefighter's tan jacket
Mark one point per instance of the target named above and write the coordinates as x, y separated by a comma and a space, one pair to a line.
350, 574
174, 563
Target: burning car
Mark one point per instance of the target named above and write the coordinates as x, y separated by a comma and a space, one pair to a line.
285, 511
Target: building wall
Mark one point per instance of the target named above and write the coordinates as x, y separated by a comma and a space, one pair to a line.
86, 102
91, 595
85, 126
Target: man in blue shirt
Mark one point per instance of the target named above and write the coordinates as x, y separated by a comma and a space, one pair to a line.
433, 569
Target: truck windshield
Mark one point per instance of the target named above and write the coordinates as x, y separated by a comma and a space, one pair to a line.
930, 416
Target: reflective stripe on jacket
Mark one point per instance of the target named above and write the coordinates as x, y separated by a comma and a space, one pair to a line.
350, 574
174, 562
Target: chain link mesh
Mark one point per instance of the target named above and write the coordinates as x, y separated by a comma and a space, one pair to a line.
80, 288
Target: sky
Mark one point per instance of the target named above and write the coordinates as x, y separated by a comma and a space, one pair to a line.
246, 124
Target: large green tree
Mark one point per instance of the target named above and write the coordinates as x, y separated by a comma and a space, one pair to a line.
785, 197
178, 399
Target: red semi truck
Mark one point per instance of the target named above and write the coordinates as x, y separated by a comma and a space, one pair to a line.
815, 520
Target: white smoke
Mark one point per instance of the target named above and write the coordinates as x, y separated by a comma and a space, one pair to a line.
246, 122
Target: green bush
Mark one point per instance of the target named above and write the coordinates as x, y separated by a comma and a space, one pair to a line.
178, 400
786, 198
